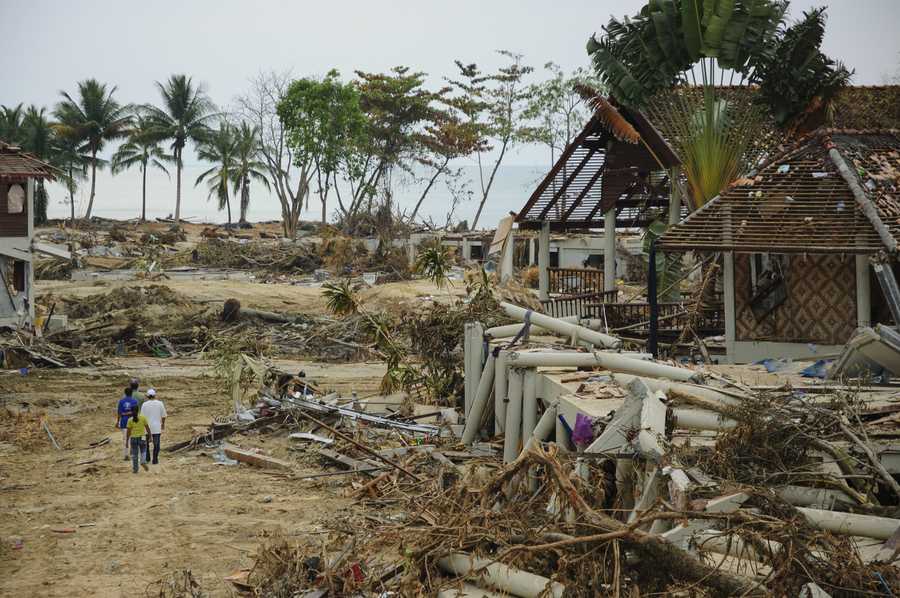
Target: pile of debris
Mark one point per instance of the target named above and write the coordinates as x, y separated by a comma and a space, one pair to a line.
627, 477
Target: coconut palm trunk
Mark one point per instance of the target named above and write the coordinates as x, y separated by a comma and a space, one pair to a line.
245, 199
178, 186
90, 207
144, 193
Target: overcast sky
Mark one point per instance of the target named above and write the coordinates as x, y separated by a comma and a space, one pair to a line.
48, 45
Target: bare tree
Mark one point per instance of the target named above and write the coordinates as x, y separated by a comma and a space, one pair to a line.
259, 106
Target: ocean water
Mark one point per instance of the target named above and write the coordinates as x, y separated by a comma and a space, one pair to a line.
119, 197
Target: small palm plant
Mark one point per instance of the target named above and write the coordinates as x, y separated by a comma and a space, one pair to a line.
434, 263
340, 298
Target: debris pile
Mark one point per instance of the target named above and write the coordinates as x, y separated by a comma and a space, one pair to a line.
627, 477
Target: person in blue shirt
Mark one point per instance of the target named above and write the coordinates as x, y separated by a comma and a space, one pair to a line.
123, 411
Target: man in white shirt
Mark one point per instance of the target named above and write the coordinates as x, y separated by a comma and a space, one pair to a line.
155, 412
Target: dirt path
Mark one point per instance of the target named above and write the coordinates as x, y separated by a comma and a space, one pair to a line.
130, 530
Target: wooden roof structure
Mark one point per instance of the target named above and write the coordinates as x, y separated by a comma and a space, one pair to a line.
602, 169
17, 165
803, 201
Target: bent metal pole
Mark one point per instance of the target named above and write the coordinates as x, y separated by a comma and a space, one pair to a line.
561, 326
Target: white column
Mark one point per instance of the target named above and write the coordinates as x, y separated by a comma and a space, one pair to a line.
609, 250
863, 292
532, 251
506, 260
728, 298
544, 262
466, 252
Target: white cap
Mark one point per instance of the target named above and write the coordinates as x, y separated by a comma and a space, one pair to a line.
151, 393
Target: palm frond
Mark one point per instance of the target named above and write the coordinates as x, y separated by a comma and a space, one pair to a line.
608, 114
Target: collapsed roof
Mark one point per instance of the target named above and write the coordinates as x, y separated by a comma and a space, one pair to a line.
17, 165
835, 191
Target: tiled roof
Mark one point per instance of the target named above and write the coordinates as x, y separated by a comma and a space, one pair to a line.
17, 165
799, 202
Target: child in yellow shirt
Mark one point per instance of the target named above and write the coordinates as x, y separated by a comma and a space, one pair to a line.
136, 429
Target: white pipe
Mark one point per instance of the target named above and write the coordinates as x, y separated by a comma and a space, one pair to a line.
501, 371
609, 361
545, 425
870, 526
701, 419
485, 385
503, 577
562, 327
732, 545
513, 428
702, 394
820, 498
468, 590
529, 403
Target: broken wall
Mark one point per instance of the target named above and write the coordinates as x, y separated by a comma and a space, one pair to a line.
820, 306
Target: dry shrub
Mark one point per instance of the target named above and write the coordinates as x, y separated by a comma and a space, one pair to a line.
117, 233
531, 277
24, 430
177, 584
341, 254
123, 298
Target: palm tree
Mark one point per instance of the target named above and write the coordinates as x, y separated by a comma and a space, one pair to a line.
247, 165
73, 163
39, 138
11, 124
92, 120
184, 116
220, 149
143, 151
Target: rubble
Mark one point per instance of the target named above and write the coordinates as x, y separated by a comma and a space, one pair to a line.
687, 483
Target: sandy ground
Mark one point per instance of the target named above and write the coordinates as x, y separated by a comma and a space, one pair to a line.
187, 513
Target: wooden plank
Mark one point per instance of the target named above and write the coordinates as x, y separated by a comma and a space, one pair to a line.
255, 459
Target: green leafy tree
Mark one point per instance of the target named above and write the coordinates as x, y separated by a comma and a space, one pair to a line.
557, 109
220, 148
445, 139
143, 151
396, 106
185, 116
247, 164
495, 105
324, 122
92, 118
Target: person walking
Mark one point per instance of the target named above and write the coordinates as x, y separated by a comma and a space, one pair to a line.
123, 411
136, 430
140, 398
155, 412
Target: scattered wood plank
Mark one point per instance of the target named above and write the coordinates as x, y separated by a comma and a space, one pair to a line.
255, 459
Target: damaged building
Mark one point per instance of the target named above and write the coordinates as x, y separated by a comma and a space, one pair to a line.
19, 173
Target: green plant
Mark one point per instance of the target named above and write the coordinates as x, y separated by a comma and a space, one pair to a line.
434, 263
669, 266
340, 298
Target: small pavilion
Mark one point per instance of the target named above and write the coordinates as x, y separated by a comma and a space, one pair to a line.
614, 174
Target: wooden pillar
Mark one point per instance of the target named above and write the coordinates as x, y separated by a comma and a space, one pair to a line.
544, 262
29, 267
863, 292
728, 298
609, 250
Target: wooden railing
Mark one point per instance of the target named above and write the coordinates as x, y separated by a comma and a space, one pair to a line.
575, 281
633, 319
575, 305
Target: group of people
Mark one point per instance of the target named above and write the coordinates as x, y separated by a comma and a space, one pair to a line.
141, 417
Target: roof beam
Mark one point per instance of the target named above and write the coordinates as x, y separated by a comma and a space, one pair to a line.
567, 183
585, 191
